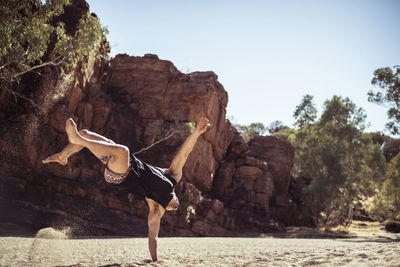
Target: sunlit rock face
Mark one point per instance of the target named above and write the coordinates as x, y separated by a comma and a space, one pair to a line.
228, 187
159, 98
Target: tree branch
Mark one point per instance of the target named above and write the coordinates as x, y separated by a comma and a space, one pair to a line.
156, 143
10, 15
5, 65
50, 63
15, 93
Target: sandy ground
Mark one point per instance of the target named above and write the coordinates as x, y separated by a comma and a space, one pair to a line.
368, 249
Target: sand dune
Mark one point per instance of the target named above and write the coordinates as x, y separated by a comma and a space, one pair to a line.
369, 250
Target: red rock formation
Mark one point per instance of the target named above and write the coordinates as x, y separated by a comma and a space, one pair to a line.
159, 94
228, 187
279, 154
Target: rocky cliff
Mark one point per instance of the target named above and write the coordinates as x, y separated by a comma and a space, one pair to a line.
228, 187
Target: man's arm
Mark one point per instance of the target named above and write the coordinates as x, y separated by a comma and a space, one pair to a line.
153, 221
180, 158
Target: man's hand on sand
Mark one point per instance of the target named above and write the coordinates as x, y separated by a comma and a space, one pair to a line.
202, 125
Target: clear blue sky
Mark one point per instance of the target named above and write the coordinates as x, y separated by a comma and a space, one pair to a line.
267, 54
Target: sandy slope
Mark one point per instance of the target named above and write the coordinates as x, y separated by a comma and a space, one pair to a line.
267, 251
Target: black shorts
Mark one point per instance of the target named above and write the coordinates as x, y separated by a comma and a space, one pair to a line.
158, 185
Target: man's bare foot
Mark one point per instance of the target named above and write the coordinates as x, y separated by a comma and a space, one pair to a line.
56, 158
72, 131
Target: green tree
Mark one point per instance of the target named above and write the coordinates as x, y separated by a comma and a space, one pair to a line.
378, 137
31, 38
391, 148
387, 202
279, 130
388, 80
338, 160
275, 126
305, 113
251, 130
284, 133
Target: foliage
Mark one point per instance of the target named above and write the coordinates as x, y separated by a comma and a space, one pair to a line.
251, 130
31, 38
191, 126
341, 163
185, 209
305, 113
275, 126
388, 80
391, 148
25, 34
284, 133
378, 138
277, 129
387, 202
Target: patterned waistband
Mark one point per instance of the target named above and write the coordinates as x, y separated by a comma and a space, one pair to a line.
112, 177
115, 178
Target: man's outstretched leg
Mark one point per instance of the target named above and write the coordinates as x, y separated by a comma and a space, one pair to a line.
119, 154
62, 157
70, 149
181, 156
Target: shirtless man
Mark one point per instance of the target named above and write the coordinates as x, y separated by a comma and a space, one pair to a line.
158, 183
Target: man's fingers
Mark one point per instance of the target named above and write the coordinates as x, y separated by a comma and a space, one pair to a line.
203, 124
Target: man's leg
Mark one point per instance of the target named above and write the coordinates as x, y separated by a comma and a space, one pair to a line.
62, 157
119, 154
175, 169
70, 149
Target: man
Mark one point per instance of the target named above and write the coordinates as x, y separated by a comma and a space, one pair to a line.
157, 183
